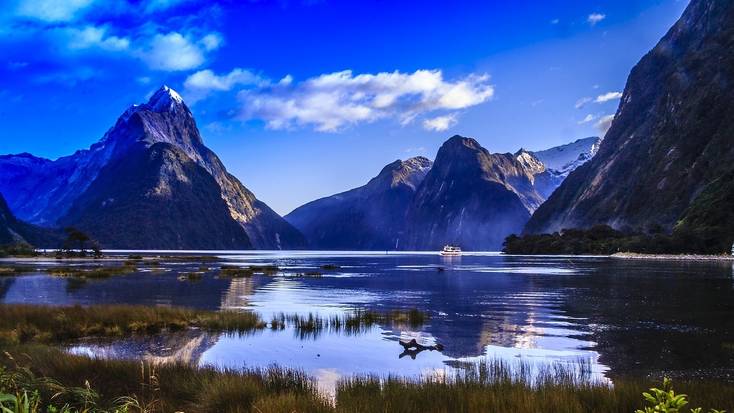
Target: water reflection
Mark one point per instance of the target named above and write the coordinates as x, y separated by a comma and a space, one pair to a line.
619, 315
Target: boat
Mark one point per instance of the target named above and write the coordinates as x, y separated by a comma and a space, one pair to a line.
451, 250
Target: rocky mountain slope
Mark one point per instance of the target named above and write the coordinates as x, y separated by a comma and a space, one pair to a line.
14, 231
469, 196
370, 217
670, 144
178, 187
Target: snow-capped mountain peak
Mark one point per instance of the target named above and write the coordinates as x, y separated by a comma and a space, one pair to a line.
565, 158
164, 99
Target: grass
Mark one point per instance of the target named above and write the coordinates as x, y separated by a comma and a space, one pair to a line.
497, 386
309, 274
160, 388
94, 272
494, 386
359, 321
13, 270
190, 276
32, 323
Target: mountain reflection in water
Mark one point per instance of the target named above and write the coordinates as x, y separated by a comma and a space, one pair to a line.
616, 315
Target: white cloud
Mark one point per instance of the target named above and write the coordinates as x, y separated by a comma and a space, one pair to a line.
582, 102
604, 123
200, 84
440, 123
211, 41
607, 97
173, 52
52, 10
595, 18
93, 37
587, 119
332, 101
555, 21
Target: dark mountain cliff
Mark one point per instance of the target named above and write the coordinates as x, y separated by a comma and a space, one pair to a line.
470, 198
97, 189
671, 141
368, 217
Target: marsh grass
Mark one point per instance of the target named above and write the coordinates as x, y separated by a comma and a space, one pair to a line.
92, 272
499, 386
167, 387
190, 276
309, 274
30, 323
493, 386
356, 322
13, 270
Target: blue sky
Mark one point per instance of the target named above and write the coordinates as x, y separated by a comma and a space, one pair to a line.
303, 99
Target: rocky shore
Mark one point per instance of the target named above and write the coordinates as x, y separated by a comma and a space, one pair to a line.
673, 257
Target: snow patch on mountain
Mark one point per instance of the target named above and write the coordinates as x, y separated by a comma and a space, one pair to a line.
565, 158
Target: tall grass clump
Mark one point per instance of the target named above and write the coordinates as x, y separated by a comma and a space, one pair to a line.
129, 386
21, 323
498, 386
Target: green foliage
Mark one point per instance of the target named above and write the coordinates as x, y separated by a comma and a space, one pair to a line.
78, 244
665, 400
604, 240
19, 249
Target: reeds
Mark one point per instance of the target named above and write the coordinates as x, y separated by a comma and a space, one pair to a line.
358, 321
500, 386
32, 323
158, 388
93, 272
492, 386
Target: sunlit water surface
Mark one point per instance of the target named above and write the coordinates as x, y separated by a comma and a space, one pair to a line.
617, 316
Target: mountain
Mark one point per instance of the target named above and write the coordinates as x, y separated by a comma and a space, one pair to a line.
150, 168
565, 158
370, 217
665, 160
551, 166
470, 197
14, 231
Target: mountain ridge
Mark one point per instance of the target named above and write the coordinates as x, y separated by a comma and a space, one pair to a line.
52, 195
670, 138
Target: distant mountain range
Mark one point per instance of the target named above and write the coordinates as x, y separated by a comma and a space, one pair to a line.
667, 162
468, 196
149, 183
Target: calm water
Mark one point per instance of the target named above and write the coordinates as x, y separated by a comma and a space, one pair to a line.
623, 317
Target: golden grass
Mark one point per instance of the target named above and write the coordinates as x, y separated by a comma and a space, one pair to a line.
33, 323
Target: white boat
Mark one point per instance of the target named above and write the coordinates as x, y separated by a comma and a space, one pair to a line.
450, 250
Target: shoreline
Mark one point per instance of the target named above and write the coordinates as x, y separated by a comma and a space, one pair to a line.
672, 257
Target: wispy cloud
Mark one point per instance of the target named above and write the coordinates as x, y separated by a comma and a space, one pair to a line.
604, 123
595, 18
52, 10
440, 123
89, 37
333, 101
198, 85
607, 97
582, 102
73, 31
174, 51
587, 119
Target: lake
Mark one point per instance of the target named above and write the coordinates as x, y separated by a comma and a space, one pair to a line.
622, 317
